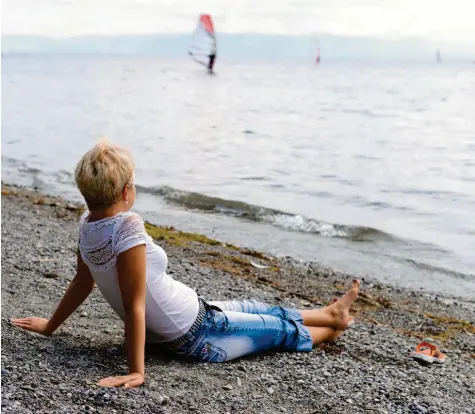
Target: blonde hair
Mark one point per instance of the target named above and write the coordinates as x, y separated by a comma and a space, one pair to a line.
102, 173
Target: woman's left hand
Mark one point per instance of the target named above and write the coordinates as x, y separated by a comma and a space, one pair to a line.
129, 381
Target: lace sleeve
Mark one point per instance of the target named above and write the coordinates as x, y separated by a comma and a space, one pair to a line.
129, 233
83, 218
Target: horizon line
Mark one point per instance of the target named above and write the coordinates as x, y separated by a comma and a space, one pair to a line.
388, 38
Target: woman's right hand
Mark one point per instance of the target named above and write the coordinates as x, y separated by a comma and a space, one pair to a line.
33, 324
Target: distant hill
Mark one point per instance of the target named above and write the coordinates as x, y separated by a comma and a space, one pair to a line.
243, 46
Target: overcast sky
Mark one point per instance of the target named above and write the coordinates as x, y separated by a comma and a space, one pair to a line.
449, 20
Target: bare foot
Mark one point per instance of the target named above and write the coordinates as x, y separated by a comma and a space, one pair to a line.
334, 316
340, 310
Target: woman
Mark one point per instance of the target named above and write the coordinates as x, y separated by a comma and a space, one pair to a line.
116, 253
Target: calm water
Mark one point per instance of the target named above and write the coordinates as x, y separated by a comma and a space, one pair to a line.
369, 168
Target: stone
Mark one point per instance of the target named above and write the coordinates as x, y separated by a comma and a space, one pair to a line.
163, 400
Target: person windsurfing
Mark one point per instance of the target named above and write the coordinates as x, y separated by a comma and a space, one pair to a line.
203, 45
212, 57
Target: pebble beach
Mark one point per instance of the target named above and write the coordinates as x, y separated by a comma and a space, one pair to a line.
368, 370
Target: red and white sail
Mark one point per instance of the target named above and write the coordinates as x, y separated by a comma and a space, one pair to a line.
203, 43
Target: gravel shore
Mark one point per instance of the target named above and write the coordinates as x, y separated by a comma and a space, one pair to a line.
367, 370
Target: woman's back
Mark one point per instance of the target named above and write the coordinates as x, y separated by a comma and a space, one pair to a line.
171, 307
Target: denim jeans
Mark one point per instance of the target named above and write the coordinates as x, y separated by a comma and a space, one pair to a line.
236, 328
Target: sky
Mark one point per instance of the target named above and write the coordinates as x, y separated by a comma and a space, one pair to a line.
439, 20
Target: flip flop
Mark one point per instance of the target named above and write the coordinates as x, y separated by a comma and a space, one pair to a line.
427, 351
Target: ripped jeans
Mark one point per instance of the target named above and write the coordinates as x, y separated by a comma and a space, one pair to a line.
236, 328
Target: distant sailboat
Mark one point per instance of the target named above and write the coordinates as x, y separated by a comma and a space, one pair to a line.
438, 58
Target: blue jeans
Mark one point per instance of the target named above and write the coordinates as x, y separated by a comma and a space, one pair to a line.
236, 328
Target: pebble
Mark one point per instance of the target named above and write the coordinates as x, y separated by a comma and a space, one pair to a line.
113, 351
163, 400
270, 390
239, 382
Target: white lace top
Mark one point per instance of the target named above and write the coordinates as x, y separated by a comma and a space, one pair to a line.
170, 308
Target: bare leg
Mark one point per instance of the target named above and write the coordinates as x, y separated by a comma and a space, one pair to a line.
334, 316
322, 334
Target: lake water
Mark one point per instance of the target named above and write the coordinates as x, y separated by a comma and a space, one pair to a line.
365, 167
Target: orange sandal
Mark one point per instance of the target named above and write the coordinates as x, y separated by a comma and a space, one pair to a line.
427, 351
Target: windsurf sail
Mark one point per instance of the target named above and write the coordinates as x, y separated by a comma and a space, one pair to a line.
315, 49
203, 43
438, 58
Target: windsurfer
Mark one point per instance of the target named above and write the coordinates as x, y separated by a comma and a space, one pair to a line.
212, 57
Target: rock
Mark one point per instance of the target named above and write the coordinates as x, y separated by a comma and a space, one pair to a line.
51, 275
227, 387
83, 314
113, 351
270, 390
163, 400
239, 382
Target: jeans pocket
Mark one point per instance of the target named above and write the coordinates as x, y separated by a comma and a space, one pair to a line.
219, 321
211, 353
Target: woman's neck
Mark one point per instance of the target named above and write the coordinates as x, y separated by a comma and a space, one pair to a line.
102, 213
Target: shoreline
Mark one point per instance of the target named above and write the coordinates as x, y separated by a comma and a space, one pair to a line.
390, 322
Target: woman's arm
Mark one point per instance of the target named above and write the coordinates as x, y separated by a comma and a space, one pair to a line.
131, 270
78, 290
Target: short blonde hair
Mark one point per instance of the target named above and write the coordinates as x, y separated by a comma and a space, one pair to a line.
102, 173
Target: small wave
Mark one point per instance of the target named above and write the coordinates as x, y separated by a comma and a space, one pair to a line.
259, 178
433, 269
276, 218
